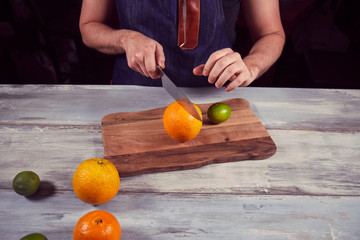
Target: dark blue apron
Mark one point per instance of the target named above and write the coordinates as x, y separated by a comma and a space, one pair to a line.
158, 19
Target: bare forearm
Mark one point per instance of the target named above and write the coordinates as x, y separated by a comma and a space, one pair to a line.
103, 38
264, 53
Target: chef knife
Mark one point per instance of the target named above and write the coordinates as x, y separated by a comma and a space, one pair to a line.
178, 95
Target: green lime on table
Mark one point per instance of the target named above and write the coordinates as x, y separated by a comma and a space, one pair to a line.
26, 183
34, 236
218, 112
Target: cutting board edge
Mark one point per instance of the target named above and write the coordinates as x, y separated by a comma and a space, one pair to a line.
217, 160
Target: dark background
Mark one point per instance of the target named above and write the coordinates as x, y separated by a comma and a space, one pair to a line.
40, 43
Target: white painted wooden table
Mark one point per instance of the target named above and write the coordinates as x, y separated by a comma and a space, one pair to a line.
310, 189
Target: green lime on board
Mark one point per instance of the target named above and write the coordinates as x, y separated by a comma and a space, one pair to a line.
26, 183
218, 112
34, 236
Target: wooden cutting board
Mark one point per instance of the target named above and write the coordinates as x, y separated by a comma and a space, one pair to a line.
136, 142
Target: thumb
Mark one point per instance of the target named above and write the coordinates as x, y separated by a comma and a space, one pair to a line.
198, 71
160, 56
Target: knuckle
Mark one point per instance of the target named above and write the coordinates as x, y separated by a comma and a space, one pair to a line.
138, 56
146, 49
236, 54
231, 71
150, 46
159, 46
215, 55
222, 63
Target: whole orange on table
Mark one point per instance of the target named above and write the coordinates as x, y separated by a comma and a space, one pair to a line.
96, 225
96, 181
179, 124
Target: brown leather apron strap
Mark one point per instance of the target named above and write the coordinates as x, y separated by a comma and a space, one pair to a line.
188, 39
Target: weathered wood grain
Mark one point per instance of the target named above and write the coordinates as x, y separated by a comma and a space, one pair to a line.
137, 142
277, 108
188, 216
306, 162
308, 190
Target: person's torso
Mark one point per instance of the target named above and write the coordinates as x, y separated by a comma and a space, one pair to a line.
158, 19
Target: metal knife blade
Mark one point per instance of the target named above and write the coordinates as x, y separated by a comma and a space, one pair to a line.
178, 95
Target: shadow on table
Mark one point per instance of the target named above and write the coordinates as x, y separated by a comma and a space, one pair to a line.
46, 189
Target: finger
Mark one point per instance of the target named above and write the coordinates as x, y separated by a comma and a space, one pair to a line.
143, 70
136, 67
229, 73
139, 70
245, 83
222, 64
232, 78
213, 59
150, 66
135, 61
234, 84
160, 56
198, 71
242, 80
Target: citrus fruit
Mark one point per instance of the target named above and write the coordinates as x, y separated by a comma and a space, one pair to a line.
98, 224
96, 181
179, 124
218, 112
26, 183
34, 236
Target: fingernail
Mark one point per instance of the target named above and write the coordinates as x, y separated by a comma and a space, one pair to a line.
205, 72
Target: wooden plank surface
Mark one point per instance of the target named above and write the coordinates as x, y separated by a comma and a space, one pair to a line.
190, 216
311, 109
137, 143
312, 163
310, 189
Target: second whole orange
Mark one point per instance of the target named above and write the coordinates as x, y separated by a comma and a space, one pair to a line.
179, 124
96, 181
96, 225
